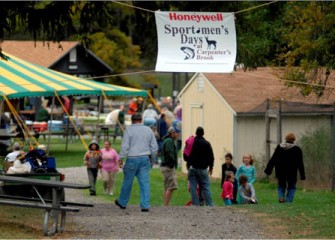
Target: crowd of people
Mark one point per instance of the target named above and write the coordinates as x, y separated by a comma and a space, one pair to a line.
140, 143
152, 136
237, 183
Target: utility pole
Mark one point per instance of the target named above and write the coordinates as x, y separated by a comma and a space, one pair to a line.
333, 148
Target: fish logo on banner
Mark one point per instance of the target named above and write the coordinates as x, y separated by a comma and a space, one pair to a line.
195, 42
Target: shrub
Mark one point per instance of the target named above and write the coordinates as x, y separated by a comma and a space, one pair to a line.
317, 152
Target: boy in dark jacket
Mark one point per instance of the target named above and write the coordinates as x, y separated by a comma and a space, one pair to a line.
287, 160
169, 158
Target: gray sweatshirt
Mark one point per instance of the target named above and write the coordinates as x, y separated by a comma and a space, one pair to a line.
138, 140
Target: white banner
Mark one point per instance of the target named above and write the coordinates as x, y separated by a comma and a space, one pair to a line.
195, 42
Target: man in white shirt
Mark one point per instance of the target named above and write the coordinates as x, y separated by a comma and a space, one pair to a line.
150, 116
138, 144
111, 118
11, 157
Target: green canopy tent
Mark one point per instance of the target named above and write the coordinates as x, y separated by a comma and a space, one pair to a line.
19, 78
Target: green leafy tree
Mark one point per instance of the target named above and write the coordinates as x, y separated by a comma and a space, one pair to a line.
309, 56
116, 49
91, 23
257, 36
53, 20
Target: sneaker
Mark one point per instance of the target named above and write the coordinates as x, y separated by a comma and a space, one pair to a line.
118, 204
281, 200
144, 210
111, 193
93, 193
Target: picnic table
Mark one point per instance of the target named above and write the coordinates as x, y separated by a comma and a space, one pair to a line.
6, 139
57, 206
7, 136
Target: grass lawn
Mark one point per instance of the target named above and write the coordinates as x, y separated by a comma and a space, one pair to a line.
311, 215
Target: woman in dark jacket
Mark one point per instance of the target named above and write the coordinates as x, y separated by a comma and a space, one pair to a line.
287, 160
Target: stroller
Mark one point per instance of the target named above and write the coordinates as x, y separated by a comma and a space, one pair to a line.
40, 162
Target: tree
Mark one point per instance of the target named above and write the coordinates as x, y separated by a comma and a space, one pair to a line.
257, 36
116, 49
53, 20
309, 29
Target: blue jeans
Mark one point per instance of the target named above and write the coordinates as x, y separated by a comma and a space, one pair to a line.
227, 201
287, 187
138, 167
149, 122
117, 130
199, 177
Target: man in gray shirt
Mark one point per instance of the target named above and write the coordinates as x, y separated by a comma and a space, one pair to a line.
138, 143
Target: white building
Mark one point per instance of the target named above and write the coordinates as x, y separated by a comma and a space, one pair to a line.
231, 108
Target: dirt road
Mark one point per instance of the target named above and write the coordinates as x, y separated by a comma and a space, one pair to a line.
106, 220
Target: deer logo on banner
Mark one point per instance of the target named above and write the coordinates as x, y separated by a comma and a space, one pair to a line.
210, 43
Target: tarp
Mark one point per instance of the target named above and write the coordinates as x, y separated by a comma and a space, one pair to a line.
195, 42
19, 78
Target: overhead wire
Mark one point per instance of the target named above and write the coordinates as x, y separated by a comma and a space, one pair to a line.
121, 74
152, 11
132, 6
254, 7
238, 12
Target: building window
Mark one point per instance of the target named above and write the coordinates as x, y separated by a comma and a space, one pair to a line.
200, 84
73, 55
73, 67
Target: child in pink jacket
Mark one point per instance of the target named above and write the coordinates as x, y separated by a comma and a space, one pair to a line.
227, 189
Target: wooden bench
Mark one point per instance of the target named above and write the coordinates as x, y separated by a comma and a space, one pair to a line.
56, 205
36, 205
47, 214
64, 203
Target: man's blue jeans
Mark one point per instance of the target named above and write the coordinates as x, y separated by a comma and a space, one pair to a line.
199, 176
289, 186
138, 167
149, 122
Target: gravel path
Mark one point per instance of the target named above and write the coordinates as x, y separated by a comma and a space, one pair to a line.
106, 220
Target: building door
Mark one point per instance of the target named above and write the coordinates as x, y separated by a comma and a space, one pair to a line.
196, 119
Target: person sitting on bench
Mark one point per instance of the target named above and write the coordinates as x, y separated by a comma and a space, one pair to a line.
20, 165
11, 157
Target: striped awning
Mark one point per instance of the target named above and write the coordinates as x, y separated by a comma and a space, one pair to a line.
19, 78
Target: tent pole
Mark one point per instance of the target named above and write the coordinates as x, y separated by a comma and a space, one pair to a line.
99, 109
51, 118
67, 130
1, 110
